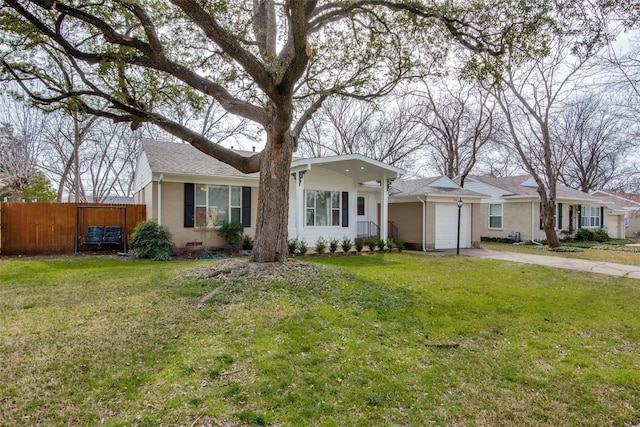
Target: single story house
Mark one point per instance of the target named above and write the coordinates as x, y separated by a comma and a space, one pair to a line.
190, 193
629, 204
512, 209
427, 215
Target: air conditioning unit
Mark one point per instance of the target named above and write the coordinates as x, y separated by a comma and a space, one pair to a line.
515, 236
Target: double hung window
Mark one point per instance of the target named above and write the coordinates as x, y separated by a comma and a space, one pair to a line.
590, 217
322, 208
495, 215
217, 203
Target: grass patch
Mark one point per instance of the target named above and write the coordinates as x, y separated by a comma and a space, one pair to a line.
385, 339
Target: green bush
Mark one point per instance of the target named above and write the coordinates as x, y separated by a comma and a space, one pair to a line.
151, 240
247, 242
302, 247
320, 245
390, 244
590, 235
292, 245
601, 235
359, 243
400, 244
231, 231
372, 242
333, 245
346, 244
584, 235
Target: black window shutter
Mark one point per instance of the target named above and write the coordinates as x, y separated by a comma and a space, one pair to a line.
189, 204
345, 209
559, 216
601, 216
246, 206
541, 223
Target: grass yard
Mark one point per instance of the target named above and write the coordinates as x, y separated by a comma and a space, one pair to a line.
373, 340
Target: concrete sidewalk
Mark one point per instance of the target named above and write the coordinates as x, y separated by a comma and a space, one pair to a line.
610, 268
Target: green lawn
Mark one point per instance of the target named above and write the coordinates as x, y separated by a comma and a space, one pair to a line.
373, 340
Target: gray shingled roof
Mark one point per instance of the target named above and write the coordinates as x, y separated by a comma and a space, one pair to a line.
513, 187
184, 159
422, 186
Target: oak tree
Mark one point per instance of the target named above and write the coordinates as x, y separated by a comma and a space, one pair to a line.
272, 63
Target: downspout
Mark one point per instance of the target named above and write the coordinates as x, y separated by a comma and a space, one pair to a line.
160, 199
424, 222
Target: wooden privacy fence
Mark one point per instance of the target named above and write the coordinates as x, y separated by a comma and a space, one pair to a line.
53, 228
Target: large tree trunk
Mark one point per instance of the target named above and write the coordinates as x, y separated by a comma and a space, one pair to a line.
273, 200
547, 213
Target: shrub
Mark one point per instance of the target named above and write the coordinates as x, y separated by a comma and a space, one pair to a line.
151, 240
231, 231
601, 235
372, 242
346, 244
359, 243
292, 245
321, 245
333, 245
584, 235
400, 244
390, 244
247, 242
302, 247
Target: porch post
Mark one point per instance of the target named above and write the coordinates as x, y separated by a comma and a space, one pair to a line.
384, 208
299, 183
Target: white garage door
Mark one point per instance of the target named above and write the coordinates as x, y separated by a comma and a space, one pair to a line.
447, 226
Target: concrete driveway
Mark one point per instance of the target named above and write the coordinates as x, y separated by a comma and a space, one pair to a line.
610, 268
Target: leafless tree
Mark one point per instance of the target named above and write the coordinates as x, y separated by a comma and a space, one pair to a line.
597, 141
20, 143
458, 121
386, 133
531, 96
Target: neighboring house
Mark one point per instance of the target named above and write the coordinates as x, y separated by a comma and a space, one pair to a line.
629, 204
513, 209
190, 193
426, 213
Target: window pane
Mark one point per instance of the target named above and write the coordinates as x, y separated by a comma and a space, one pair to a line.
495, 222
335, 200
335, 217
310, 217
201, 195
235, 196
360, 205
235, 214
495, 209
322, 207
311, 199
218, 204
201, 217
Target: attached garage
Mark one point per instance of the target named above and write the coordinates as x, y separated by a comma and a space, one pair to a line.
425, 213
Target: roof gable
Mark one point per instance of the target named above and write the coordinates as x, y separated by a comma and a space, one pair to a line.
184, 159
